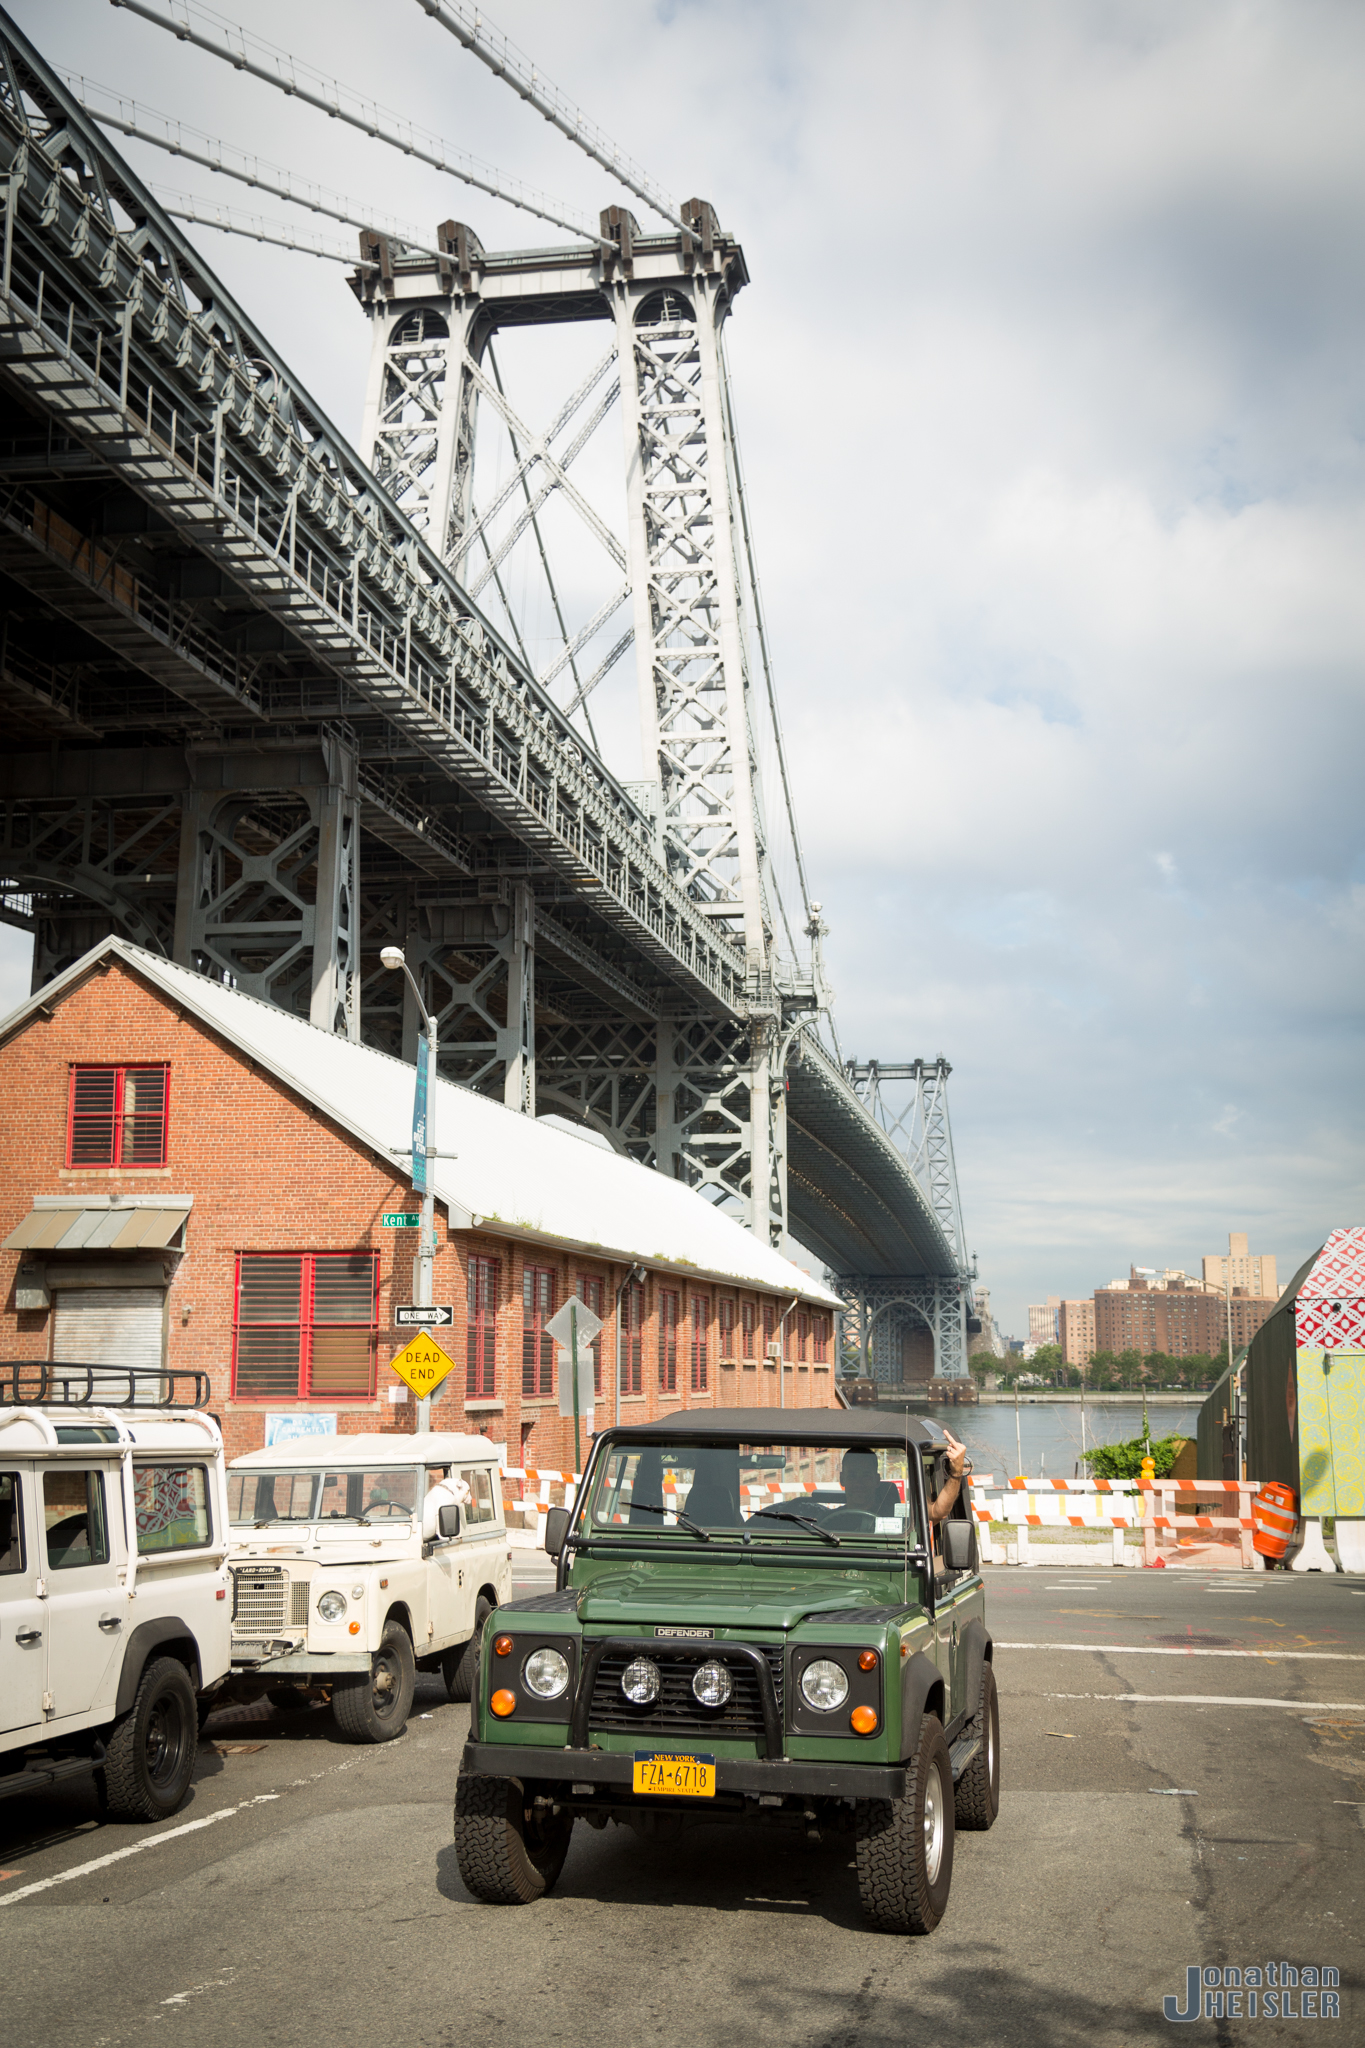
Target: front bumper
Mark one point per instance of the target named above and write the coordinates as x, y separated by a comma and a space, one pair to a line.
261, 1659
612, 1769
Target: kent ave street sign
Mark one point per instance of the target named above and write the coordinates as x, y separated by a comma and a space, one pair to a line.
439, 1316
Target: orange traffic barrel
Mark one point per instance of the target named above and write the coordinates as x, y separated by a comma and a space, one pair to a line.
1274, 1519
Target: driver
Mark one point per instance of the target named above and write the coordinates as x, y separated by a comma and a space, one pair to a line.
862, 1482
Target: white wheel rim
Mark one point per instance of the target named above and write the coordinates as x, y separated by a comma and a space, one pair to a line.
933, 1823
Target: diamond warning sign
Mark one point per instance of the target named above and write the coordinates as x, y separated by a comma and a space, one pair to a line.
423, 1364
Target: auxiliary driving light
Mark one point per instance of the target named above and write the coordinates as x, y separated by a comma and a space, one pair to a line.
863, 1720
711, 1685
546, 1674
824, 1685
640, 1681
503, 1703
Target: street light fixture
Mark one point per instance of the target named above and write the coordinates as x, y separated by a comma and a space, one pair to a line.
423, 1151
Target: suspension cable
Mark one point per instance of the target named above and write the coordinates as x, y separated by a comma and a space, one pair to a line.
262, 176
276, 67
742, 497
507, 62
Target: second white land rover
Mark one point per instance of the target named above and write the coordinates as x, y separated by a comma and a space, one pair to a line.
358, 1561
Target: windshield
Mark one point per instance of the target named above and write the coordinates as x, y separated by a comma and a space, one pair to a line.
258, 1498
786, 1492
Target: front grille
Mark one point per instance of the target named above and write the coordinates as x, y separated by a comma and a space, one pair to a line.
259, 1595
676, 1711
298, 1603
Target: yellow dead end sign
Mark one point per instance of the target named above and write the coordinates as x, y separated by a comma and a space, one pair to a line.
423, 1364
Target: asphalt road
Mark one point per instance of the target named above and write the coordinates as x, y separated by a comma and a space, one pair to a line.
1184, 1782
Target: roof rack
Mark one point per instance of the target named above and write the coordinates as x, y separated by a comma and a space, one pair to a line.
35, 1383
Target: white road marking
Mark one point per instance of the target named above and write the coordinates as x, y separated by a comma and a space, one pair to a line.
1212, 1699
1275, 1656
188, 1827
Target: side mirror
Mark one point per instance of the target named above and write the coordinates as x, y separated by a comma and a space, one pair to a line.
448, 1520
556, 1530
959, 1546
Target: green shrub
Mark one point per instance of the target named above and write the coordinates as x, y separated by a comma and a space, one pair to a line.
1124, 1461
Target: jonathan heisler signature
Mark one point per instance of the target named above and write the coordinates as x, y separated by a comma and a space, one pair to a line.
1264, 1991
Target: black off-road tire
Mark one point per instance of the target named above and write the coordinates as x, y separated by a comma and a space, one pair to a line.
976, 1799
459, 1665
150, 1756
510, 1852
905, 1872
374, 1706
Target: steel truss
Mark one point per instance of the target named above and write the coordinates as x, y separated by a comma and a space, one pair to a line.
878, 1309
190, 407
610, 958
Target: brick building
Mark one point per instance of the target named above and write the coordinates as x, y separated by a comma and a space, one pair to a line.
1076, 1330
193, 1179
1253, 1272
1179, 1318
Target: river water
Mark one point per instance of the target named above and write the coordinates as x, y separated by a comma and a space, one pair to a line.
1050, 1432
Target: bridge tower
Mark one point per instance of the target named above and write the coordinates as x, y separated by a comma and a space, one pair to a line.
908, 1326
699, 1095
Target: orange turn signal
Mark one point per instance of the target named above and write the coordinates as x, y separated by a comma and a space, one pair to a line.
354, 1629
867, 1660
863, 1720
502, 1646
503, 1703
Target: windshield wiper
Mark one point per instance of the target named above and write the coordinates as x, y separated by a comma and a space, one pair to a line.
786, 1515
647, 1507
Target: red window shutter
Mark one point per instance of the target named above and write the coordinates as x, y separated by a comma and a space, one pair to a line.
668, 1340
94, 1092
747, 1328
701, 1330
633, 1378
537, 1348
142, 1116
590, 1294
727, 1329
305, 1325
481, 1374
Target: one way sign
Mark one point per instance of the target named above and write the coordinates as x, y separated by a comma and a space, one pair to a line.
439, 1316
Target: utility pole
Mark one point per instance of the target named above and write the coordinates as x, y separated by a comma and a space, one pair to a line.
423, 1153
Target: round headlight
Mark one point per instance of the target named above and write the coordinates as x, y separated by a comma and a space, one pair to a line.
546, 1674
640, 1681
824, 1685
332, 1606
711, 1685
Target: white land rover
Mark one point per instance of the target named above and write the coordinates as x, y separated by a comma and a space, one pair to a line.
114, 1617
358, 1561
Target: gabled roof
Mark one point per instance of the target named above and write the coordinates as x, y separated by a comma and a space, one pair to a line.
513, 1175
1339, 1268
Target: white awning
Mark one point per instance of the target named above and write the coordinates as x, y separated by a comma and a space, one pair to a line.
116, 1224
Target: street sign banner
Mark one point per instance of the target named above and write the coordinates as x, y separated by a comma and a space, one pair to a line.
439, 1316
419, 1122
589, 1324
423, 1364
399, 1219
565, 1378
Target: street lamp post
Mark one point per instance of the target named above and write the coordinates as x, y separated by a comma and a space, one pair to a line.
423, 1152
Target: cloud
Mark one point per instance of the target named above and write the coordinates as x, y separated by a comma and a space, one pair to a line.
1051, 396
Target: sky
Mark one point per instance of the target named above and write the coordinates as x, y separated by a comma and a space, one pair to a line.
1051, 391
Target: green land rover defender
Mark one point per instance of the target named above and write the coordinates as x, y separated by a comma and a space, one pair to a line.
756, 1618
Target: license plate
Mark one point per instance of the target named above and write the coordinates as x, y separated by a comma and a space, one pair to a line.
687, 1777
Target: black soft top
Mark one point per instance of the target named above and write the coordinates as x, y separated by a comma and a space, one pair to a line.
846, 1427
